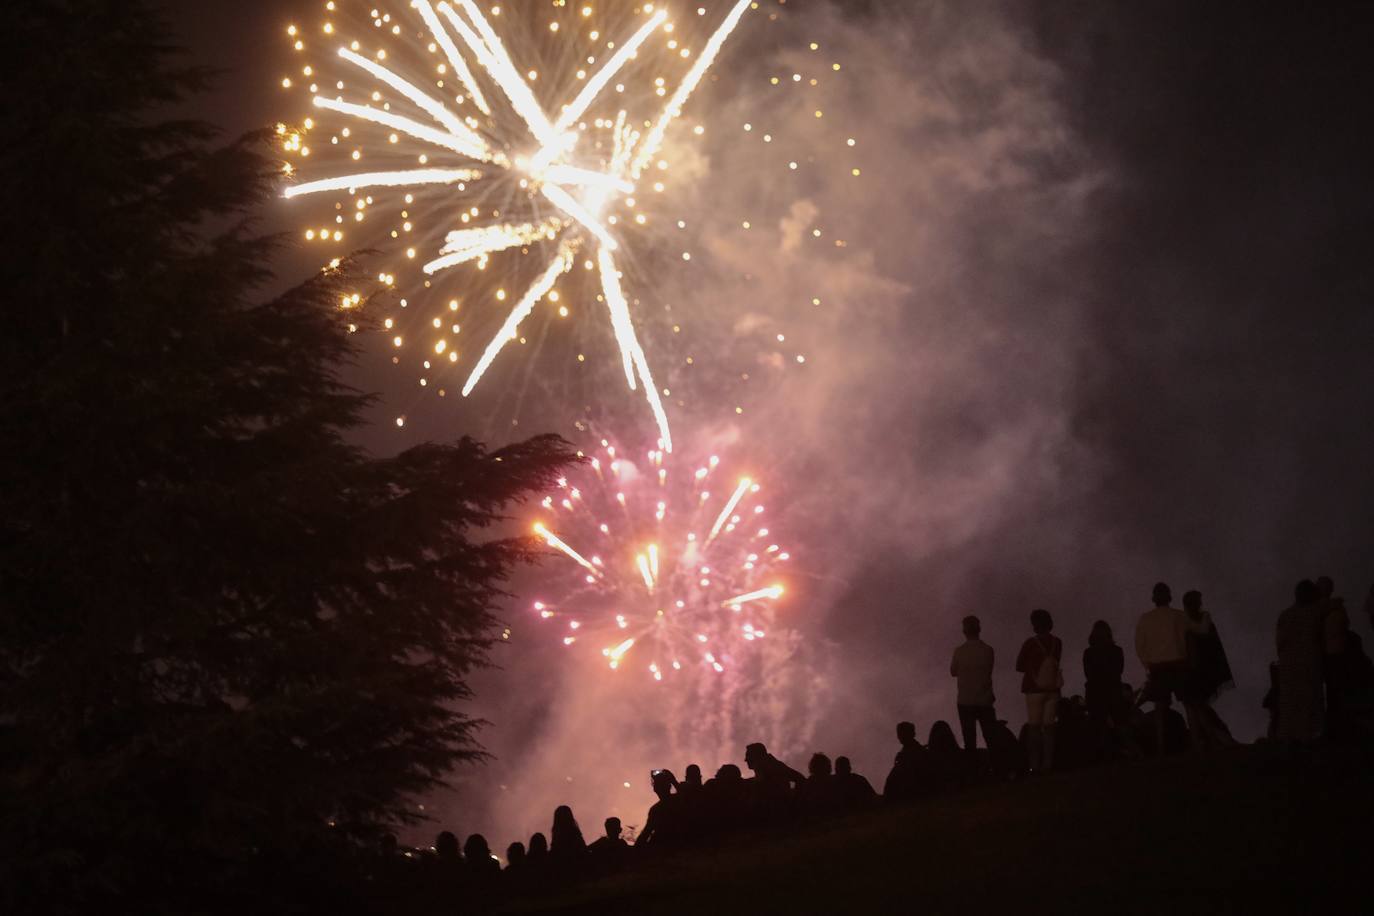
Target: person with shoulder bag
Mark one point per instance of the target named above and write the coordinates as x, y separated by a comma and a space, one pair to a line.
1041, 681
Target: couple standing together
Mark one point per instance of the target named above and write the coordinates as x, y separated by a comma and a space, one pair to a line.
1042, 679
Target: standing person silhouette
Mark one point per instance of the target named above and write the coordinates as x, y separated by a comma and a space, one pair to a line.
972, 666
1336, 667
1038, 662
1299, 639
1103, 663
1161, 644
1209, 673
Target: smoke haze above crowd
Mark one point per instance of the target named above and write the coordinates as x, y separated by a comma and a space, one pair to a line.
1102, 318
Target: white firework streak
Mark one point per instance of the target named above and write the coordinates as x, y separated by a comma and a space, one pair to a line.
411, 178
730, 505
463, 245
541, 287
552, 175
685, 89
455, 58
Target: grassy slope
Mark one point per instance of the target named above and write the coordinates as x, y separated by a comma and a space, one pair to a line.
1250, 831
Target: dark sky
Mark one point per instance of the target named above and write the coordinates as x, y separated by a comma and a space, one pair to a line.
1135, 238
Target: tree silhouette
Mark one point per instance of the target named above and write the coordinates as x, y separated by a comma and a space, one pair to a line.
228, 637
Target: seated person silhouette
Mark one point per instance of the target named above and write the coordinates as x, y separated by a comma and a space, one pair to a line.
769, 769
946, 761
445, 869
693, 805
691, 782
908, 776
481, 863
853, 791
446, 848
537, 855
566, 847
609, 851
515, 857
772, 783
819, 795
725, 802
664, 827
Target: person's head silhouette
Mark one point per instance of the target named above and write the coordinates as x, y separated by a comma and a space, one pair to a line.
446, 846
1305, 593
515, 854
819, 767
613, 828
567, 836
729, 772
906, 732
754, 755
843, 766
1326, 587
942, 737
693, 776
1041, 621
663, 782
1192, 601
388, 844
476, 850
539, 846
1161, 594
1101, 634
972, 627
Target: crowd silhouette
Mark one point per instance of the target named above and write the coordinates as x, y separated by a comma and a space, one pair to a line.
1322, 689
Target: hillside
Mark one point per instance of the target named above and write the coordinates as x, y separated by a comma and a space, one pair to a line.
1255, 830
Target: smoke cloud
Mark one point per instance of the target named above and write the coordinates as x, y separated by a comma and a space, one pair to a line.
930, 297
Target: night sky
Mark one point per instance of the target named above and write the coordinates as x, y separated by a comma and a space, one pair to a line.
1112, 264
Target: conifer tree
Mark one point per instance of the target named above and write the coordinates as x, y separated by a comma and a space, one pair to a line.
228, 636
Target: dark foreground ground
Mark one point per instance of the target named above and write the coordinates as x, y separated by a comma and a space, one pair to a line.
1250, 831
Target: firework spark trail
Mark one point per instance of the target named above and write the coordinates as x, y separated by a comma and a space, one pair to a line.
685, 89
773, 591
492, 54
744, 485
406, 126
455, 57
612, 67
629, 344
463, 245
399, 179
537, 291
432, 106
558, 544
581, 195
